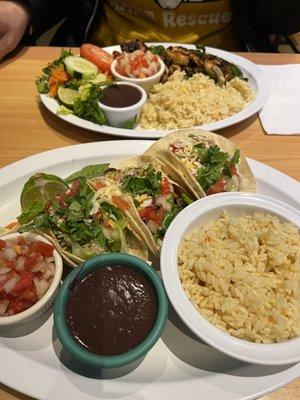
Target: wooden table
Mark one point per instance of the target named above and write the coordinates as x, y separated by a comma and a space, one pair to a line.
27, 128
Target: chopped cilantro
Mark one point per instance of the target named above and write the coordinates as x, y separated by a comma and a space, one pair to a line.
147, 184
215, 164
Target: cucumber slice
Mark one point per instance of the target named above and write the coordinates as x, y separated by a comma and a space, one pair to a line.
67, 96
80, 68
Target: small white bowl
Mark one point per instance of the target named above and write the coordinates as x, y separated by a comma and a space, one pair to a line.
118, 116
47, 300
198, 214
145, 83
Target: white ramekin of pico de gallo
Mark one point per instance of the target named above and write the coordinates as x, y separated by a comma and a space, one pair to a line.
30, 275
142, 68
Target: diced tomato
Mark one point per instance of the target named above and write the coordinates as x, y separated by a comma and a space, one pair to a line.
217, 187
25, 283
17, 305
165, 186
12, 225
145, 212
139, 62
149, 214
158, 216
30, 294
97, 185
75, 185
97, 56
30, 261
9, 264
2, 244
119, 202
43, 248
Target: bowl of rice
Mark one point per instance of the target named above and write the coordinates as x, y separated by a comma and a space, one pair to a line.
230, 264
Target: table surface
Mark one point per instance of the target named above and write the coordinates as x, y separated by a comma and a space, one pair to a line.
27, 128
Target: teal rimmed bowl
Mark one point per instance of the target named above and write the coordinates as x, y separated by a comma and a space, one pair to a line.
89, 358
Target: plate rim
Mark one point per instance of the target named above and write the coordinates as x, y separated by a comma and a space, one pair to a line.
20, 169
257, 74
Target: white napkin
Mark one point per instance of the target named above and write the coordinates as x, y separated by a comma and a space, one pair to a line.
281, 114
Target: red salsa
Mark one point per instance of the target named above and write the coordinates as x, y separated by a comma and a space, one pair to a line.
26, 272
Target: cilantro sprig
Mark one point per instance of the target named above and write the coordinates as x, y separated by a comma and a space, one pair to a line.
215, 164
149, 183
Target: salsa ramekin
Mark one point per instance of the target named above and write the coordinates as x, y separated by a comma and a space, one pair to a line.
117, 117
40, 307
92, 359
145, 83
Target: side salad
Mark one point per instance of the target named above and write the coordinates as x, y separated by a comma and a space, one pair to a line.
76, 82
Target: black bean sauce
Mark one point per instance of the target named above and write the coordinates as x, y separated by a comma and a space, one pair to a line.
112, 309
120, 96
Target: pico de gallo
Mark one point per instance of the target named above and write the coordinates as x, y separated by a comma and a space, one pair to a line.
27, 269
138, 64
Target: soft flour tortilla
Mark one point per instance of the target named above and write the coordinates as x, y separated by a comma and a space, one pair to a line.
173, 166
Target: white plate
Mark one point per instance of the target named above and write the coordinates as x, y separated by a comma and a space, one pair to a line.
257, 80
179, 367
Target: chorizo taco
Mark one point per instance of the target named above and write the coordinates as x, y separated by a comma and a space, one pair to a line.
149, 198
82, 224
206, 162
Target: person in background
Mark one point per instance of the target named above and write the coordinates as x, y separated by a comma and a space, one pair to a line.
226, 24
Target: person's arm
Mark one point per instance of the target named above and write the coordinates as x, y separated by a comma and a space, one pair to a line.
16, 17
14, 20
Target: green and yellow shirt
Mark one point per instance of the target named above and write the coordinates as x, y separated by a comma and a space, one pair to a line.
183, 21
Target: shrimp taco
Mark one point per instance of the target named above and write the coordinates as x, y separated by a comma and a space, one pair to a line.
205, 162
149, 198
82, 224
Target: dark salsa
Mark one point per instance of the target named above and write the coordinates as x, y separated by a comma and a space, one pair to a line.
112, 309
120, 96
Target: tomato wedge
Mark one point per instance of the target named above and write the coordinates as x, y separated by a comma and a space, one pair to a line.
97, 56
119, 202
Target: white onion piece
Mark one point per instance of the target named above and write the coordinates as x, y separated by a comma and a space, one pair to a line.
152, 226
11, 283
20, 263
51, 267
3, 306
41, 286
9, 253
4, 270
